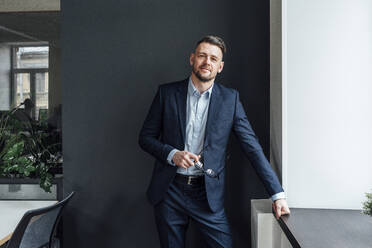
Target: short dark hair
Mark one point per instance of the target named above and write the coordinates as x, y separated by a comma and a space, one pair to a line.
214, 40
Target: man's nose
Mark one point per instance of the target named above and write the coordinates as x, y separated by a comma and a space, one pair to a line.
207, 61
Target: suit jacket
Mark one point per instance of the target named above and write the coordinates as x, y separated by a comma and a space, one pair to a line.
164, 129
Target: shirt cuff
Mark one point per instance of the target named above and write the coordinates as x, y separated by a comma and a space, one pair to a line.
170, 157
277, 196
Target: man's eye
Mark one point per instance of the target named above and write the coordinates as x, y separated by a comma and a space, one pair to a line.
214, 59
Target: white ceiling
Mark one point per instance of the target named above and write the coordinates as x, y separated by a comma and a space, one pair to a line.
30, 27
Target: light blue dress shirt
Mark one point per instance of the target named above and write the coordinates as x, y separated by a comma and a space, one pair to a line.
196, 118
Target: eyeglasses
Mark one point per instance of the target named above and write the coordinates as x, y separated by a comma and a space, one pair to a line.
199, 165
209, 172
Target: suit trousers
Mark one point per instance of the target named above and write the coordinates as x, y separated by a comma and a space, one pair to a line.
183, 203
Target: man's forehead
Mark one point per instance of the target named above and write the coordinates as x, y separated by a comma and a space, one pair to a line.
208, 48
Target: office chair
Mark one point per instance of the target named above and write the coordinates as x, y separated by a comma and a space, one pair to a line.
36, 228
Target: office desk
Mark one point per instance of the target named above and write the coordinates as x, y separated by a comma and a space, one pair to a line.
328, 228
11, 213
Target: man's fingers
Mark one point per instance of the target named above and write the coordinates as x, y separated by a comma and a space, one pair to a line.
285, 210
185, 163
280, 207
190, 156
274, 209
189, 162
280, 210
193, 156
277, 210
185, 159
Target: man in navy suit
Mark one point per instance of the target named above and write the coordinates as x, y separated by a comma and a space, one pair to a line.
187, 131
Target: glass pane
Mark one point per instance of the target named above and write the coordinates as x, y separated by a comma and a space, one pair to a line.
23, 90
41, 86
32, 57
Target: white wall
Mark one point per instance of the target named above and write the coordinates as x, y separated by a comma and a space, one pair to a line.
327, 102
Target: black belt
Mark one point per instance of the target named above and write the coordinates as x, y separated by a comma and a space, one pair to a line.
189, 180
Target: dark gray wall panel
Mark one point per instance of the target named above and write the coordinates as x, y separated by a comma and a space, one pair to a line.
114, 54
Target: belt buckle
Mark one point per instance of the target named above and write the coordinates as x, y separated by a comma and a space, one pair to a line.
189, 180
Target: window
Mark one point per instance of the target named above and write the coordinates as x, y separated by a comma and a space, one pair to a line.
30, 77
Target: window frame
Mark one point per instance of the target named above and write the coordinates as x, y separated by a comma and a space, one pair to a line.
31, 71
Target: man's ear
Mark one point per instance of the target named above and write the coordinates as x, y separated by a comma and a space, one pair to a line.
192, 59
221, 67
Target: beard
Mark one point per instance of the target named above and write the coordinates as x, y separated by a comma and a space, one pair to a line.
200, 77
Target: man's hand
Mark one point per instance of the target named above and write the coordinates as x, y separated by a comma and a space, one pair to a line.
183, 159
280, 207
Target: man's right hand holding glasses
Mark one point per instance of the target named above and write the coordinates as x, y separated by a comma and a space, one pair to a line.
185, 159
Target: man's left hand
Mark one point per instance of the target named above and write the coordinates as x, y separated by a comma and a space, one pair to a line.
280, 207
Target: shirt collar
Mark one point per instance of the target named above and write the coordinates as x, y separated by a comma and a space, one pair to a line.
194, 91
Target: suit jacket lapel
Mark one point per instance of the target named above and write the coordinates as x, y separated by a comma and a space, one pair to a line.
181, 98
212, 111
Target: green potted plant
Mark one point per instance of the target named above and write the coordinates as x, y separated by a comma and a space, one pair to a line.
27, 150
367, 205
